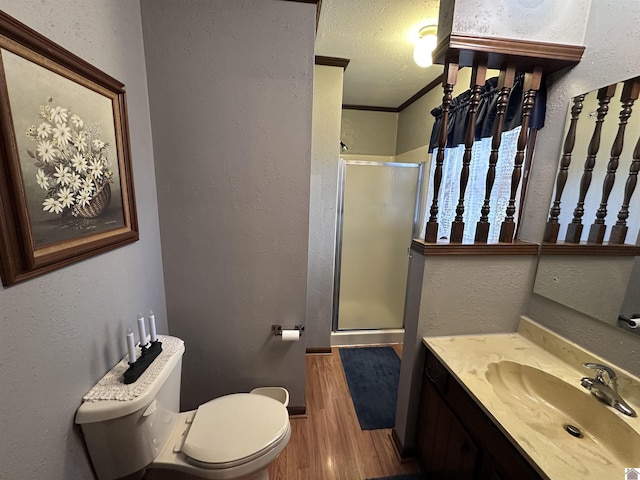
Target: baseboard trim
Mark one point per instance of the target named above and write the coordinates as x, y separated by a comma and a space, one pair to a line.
405, 455
315, 350
295, 411
350, 338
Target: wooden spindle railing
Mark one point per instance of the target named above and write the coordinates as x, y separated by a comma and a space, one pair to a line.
553, 226
619, 230
505, 84
457, 51
531, 86
574, 229
630, 93
450, 77
478, 77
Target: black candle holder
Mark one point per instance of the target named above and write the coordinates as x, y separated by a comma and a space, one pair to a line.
138, 367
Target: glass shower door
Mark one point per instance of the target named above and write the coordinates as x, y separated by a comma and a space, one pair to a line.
379, 202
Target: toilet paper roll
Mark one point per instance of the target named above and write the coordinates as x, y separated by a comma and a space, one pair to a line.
290, 335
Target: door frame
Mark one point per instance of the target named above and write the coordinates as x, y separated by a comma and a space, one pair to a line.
342, 177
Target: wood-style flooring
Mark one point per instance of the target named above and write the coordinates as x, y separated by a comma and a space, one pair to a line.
327, 443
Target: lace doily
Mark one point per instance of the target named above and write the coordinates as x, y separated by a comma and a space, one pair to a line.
112, 387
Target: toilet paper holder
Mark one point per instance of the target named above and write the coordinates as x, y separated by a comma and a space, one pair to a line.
277, 329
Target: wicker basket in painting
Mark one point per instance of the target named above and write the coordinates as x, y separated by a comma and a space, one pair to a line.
97, 204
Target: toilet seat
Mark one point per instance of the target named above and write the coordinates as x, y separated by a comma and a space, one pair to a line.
235, 429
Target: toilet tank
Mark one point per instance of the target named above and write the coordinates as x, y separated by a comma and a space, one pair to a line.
124, 437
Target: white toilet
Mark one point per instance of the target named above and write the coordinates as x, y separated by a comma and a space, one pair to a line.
128, 428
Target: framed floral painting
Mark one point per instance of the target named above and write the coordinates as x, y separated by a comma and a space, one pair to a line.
66, 186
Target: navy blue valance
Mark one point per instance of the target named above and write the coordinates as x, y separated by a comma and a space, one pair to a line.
459, 112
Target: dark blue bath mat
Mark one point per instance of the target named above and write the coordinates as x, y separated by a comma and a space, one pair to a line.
372, 374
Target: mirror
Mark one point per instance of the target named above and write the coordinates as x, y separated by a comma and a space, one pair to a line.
597, 286
600, 286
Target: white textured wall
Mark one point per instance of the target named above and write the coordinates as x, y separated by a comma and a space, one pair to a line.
63, 331
327, 106
230, 86
369, 133
554, 21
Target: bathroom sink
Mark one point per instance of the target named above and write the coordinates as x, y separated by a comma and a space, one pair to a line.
567, 415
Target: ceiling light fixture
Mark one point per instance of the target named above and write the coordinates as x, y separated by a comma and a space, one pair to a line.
425, 46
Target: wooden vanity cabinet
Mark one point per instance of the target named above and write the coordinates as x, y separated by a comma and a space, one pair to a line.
456, 438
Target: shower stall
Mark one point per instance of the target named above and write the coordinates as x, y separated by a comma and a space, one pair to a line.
379, 206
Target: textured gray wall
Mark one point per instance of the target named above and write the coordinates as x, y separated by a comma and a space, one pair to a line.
561, 278
62, 331
327, 108
369, 133
631, 302
460, 295
416, 122
230, 87
412, 365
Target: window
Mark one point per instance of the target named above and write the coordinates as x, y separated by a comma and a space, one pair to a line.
475, 192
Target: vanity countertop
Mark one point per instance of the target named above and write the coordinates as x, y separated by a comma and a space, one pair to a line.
467, 358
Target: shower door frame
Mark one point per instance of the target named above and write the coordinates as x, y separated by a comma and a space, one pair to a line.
417, 212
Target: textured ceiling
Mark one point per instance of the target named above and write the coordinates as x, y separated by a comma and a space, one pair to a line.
377, 36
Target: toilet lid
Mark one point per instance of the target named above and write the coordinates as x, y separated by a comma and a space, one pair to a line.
232, 428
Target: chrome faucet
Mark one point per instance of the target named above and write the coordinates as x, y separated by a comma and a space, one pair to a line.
605, 388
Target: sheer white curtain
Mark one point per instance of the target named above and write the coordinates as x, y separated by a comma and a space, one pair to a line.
474, 195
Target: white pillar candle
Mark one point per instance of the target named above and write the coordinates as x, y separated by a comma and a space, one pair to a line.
131, 346
152, 326
142, 331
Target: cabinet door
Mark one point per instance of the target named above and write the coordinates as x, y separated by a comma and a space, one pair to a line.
467, 444
447, 451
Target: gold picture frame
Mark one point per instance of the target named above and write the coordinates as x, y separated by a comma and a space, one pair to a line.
66, 183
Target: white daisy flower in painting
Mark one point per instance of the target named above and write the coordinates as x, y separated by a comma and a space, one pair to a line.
71, 159
80, 141
79, 163
77, 121
87, 184
58, 115
62, 174
62, 135
42, 179
95, 168
52, 205
98, 144
48, 204
47, 151
44, 130
83, 197
65, 197
74, 182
